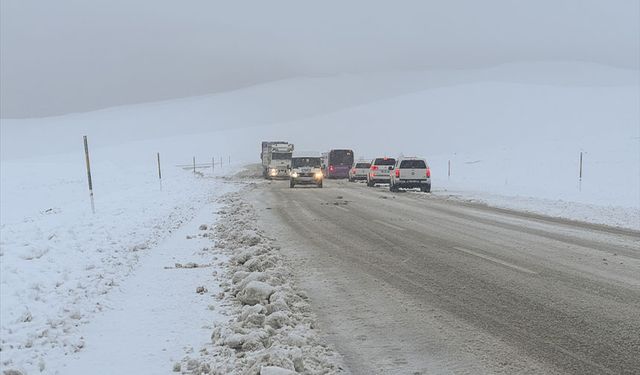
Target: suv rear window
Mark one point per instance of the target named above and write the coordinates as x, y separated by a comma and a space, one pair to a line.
382, 161
417, 164
363, 165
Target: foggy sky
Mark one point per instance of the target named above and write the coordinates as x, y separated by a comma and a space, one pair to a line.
67, 56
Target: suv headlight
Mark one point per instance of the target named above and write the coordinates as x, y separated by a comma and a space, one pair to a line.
318, 175
294, 174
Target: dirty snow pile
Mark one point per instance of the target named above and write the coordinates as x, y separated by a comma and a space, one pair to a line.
272, 331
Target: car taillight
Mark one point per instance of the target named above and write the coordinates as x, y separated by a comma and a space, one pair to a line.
428, 172
331, 168
353, 170
398, 173
374, 167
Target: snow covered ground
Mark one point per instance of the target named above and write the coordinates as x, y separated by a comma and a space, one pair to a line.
63, 266
156, 316
512, 133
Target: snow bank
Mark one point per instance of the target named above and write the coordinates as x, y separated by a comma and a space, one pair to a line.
616, 216
272, 329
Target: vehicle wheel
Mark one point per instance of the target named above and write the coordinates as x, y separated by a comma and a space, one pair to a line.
426, 188
393, 188
320, 185
291, 184
369, 184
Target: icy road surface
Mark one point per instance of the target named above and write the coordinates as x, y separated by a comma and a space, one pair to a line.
411, 283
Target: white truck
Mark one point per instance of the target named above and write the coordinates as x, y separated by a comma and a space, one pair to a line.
276, 159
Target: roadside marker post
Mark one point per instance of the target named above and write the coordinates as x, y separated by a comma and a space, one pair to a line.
159, 171
194, 165
580, 166
449, 170
88, 163
213, 165
580, 174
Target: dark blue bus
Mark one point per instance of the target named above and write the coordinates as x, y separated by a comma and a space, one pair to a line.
338, 163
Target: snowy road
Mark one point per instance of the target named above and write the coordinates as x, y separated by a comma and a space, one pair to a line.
409, 283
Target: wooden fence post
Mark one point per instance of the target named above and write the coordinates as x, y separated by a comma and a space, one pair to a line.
86, 156
580, 166
159, 170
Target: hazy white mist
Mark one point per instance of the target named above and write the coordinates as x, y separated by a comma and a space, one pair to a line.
71, 55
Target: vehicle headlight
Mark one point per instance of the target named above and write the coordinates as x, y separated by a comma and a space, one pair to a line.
294, 174
274, 171
318, 175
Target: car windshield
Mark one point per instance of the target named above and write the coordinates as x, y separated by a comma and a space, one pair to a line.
305, 162
385, 161
417, 164
341, 157
281, 156
363, 165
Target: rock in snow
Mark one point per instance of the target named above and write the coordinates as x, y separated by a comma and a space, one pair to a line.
255, 292
201, 290
272, 370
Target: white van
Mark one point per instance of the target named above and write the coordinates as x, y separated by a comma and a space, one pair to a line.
306, 169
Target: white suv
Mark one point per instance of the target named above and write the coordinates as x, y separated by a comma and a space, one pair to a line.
379, 171
409, 173
359, 170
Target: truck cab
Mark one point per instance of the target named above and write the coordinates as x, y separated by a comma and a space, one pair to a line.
276, 159
306, 169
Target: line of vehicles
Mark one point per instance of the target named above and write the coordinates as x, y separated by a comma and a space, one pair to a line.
279, 160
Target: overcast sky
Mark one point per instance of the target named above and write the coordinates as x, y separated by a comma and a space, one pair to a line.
75, 55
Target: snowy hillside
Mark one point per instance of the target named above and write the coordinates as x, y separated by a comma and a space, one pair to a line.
297, 99
514, 130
